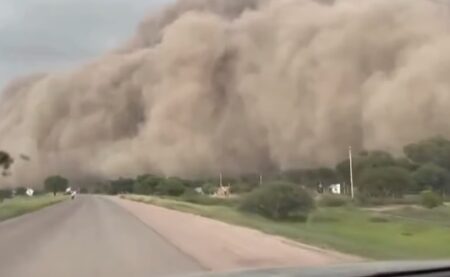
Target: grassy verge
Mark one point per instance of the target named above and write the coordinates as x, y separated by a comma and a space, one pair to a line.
21, 205
346, 229
439, 215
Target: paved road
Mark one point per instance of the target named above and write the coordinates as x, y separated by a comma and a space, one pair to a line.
90, 236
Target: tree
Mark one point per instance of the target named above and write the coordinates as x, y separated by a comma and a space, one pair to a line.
21, 191
186, 183
170, 186
146, 184
209, 187
431, 176
326, 175
388, 181
121, 185
279, 201
5, 194
56, 184
362, 161
407, 164
435, 150
311, 177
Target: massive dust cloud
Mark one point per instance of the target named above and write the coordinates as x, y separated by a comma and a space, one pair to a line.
208, 86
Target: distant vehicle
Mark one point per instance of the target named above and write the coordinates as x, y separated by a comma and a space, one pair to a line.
29, 192
68, 190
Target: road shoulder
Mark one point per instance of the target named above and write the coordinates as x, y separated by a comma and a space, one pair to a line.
222, 246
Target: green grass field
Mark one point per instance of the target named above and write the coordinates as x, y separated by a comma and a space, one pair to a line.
384, 236
21, 205
439, 215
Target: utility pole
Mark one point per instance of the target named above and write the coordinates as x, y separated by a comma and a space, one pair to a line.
351, 171
220, 179
260, 179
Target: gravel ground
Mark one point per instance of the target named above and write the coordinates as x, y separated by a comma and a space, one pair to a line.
220, 246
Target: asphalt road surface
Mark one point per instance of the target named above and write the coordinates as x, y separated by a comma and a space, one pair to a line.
90, 236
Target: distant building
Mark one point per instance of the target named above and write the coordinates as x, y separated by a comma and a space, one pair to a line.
223, 192
335, 189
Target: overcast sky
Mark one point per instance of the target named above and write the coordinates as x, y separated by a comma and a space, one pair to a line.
43, 35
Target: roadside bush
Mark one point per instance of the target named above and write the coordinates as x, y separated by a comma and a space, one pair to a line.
333, 201
209, 188
279, 201
21, 190
171, 187
146, 184
430, 199
142, 188
196, 198
5, 194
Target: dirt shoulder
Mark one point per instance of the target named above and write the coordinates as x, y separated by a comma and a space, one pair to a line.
220, 246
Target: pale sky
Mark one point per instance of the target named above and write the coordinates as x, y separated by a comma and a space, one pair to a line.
44, 35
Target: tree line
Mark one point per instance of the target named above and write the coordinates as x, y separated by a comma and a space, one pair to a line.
424, 165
